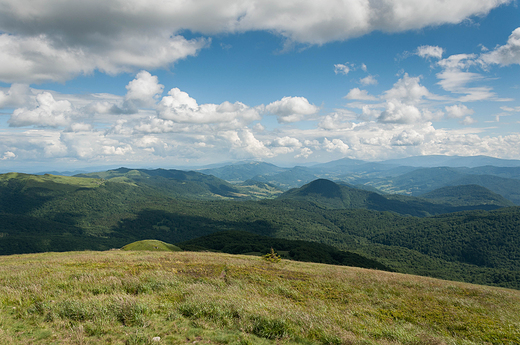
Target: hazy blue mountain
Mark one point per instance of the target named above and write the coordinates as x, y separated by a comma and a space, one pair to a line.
243, 171
289, 178
505, 172
345, 164
453, 161
421, 180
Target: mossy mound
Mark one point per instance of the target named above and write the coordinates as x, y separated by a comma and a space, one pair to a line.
152, 245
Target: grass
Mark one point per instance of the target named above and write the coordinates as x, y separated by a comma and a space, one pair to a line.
132, 297
51, 182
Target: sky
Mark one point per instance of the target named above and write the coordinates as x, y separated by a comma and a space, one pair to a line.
159, 83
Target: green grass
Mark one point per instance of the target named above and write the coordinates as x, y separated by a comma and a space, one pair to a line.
152, 245
130, 297
51, 182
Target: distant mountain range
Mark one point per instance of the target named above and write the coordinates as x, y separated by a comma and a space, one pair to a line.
440, 201
409, 176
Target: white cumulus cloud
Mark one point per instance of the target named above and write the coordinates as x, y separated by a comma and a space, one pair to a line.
335, 145
362, 95
291, 109
507, 54
48, 113
341, 69
430, 52
144, 90
179, 107
369, 80
458, 111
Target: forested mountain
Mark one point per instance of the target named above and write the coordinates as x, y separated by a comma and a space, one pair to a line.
332, 195
113, 208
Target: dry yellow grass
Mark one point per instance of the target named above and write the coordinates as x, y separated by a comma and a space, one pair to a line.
119, 297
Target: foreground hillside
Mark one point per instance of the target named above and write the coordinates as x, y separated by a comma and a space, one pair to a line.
120, 297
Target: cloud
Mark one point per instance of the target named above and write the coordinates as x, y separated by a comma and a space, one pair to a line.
252, 146
179, 107
362, 95
455, 77
291, 109
317, 23
284, 145
43, 58
468, 120
336, 121
398, 112
286, 142
17, 95
335, 145
510, 109
48, 113
408, 89
430, 52
144, 90
8, 155
369, 80
408, 137
507, 54
458, 111
341, 69
80, 127
53, 40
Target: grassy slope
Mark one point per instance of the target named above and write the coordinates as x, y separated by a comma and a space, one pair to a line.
120, 297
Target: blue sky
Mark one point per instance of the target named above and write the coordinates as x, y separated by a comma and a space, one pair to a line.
156, 84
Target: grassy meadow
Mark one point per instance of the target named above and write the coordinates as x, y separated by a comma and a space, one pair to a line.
140, 297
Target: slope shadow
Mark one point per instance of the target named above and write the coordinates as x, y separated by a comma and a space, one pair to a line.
174, 227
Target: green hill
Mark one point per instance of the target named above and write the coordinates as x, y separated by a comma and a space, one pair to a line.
506, 187
172, 183
151, 245
143, 297
467, 195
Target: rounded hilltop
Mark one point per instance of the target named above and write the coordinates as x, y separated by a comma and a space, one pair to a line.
151, 245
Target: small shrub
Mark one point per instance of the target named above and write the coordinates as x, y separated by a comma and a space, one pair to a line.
272, 256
